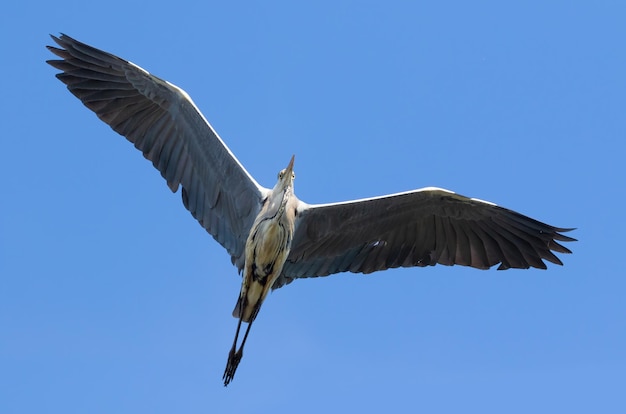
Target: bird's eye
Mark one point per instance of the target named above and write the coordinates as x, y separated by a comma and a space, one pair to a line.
281, 174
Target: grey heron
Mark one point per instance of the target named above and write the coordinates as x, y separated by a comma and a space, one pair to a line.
273, 237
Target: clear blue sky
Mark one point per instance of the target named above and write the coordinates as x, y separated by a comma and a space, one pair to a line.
114, 300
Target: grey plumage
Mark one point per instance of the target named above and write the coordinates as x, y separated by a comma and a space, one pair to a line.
415, 228
418, 228
163, 123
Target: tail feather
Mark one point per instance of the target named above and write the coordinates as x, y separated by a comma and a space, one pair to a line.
237, 310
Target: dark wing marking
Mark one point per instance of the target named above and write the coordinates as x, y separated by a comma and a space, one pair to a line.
417, 228
162, 121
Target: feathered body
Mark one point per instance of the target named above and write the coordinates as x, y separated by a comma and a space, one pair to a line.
272, 237
267, 247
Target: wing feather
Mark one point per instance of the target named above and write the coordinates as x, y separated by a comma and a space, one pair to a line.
164, 124
416, 228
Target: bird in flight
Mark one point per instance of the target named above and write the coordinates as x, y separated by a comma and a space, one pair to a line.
273, 237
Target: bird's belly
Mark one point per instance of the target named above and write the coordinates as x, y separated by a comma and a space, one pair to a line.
266, 251
271, 242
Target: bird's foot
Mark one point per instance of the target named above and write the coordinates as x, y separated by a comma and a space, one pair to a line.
231, 365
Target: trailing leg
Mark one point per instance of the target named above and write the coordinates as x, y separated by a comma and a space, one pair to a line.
235, 357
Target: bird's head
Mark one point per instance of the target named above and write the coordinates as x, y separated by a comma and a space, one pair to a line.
286, 177
282, 193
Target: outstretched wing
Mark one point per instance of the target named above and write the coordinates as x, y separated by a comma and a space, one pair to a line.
417, 228
162, 121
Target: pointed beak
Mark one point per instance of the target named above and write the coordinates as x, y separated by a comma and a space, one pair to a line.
289, 168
